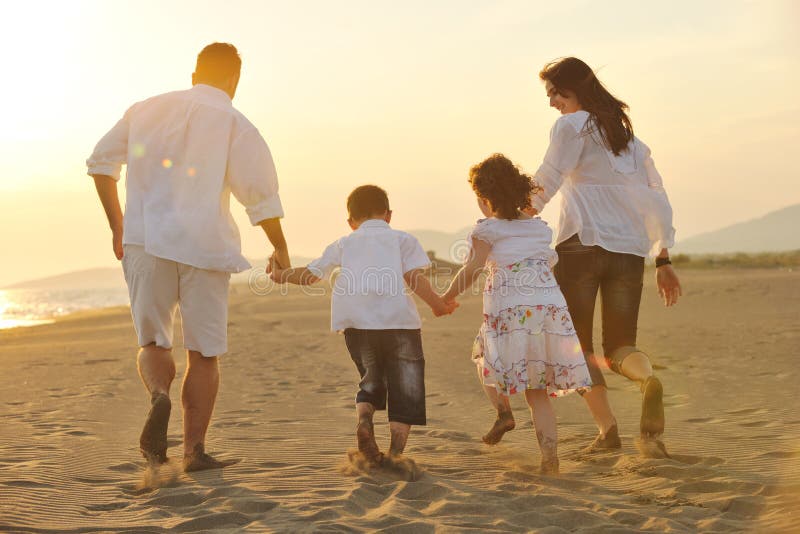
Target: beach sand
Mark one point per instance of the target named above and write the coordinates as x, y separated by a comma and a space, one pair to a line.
72, 406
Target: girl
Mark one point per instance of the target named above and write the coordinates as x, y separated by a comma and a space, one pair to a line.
614, 213
527, 341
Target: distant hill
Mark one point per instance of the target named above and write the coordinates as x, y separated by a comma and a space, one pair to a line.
774, 232
98, 278
112, 277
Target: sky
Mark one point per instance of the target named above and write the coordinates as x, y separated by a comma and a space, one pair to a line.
406, 95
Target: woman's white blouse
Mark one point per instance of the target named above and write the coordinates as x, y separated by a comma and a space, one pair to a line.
615, 202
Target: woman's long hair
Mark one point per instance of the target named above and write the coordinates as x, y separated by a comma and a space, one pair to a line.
607, 114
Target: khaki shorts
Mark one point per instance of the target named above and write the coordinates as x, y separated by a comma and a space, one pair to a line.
157, 287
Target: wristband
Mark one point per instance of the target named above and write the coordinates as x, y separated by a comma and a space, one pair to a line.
660, 262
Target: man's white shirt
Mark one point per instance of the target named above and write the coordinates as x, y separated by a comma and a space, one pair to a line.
186, 152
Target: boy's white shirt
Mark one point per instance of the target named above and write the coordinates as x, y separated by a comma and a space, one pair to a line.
369, 291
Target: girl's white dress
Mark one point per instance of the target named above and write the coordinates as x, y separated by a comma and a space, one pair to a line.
526, 340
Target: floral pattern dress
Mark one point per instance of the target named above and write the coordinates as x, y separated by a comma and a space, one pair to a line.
527, 339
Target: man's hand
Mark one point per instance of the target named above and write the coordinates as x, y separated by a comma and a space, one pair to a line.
107, 191
116, 243
279, 259
669, 287
275, 273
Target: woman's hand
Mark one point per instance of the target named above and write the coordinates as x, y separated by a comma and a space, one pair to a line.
669, 287
447, 307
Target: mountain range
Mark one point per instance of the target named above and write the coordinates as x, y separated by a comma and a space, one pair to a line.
774, 232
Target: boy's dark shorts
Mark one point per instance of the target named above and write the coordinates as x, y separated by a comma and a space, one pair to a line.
390, 362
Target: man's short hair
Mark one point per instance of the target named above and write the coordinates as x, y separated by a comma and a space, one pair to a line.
367, 201
218, 62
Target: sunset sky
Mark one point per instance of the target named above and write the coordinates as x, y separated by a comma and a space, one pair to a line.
406, 95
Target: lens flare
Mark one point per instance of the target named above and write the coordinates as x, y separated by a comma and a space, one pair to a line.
138, 150
191, 171
166, 163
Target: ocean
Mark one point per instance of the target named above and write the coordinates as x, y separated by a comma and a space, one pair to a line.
28, 307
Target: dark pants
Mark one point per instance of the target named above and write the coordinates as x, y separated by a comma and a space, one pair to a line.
581, 272
391, 363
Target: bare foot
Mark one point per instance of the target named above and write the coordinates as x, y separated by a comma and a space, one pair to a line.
365, 435
652, 448
401, 465
153, 440
651, 425
198, 460
549, 466
608, 442
504, 423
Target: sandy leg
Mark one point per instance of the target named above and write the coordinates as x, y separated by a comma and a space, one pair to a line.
365, 434
651, 425
544, 421
153, 440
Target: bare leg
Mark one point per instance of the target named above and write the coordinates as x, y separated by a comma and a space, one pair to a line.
544, 421
199, 394
365, 433
505, 418
399, 432
157, 370
597, 401
636, 366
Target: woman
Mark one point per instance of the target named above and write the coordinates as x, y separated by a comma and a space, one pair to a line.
614, 213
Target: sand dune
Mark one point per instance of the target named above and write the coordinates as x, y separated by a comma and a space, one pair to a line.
72, 408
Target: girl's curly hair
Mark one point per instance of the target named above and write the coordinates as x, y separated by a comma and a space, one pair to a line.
506, 188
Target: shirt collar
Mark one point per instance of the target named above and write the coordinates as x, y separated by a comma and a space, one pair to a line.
374, 223
213, 93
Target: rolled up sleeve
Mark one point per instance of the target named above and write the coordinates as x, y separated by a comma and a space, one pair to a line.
563, 154
111, 152
252, 177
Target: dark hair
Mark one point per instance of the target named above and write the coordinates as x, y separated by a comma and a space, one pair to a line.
606, 113
499, 181
367, 201
217, 62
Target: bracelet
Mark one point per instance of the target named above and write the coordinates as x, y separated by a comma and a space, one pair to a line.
660, 262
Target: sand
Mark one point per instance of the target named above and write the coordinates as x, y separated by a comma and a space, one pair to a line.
71, 408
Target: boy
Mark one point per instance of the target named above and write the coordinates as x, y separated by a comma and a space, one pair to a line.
378, 316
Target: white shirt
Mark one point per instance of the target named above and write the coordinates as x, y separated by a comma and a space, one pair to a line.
515, 240
186, 152
615, 202
369, 292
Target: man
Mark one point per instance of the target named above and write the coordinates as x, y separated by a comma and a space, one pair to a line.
186, 152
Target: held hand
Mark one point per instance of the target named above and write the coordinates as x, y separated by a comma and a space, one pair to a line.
275, 273
116, 243
444, 307
280, 259
669, 287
